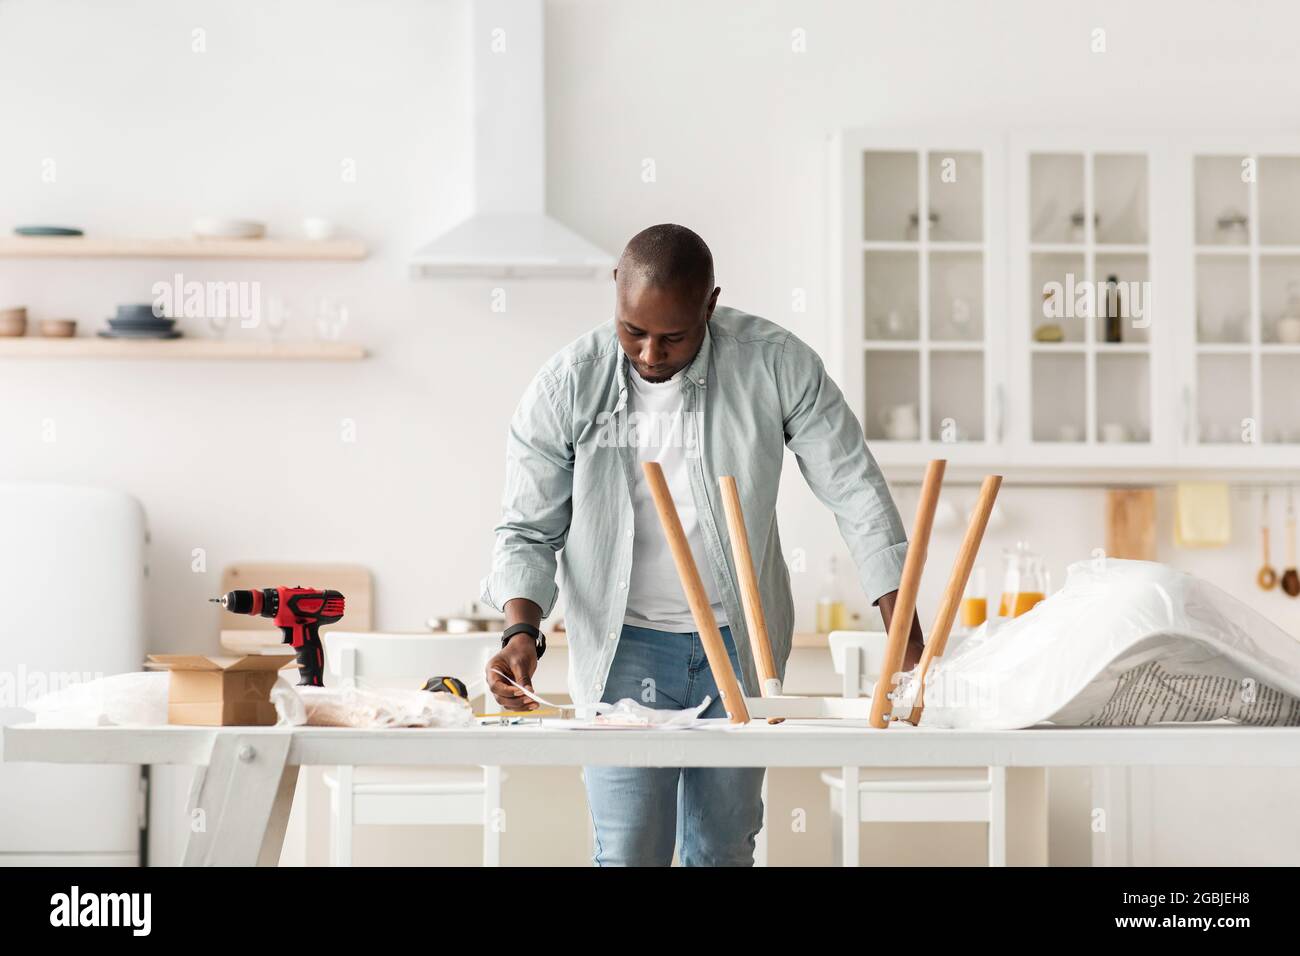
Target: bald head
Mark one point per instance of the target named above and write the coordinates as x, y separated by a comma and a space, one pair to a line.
665, 299
670, 257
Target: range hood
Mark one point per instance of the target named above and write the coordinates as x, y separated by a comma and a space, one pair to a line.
509, 233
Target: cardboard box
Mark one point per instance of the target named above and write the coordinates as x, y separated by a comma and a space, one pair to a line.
220, 691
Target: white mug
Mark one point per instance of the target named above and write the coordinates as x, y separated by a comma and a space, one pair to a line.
900, 423
1114, 433
1288, 330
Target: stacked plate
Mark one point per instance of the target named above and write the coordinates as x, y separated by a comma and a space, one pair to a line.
139, 322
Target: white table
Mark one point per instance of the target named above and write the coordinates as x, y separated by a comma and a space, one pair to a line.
243, 790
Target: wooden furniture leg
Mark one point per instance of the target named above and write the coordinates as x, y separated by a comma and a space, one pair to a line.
714, 647
961, 569
750, 599
900, 626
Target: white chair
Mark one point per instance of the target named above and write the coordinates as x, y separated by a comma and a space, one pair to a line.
411, 796
900, 794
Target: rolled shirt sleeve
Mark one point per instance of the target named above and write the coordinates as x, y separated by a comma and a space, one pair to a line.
828, 443
537, 504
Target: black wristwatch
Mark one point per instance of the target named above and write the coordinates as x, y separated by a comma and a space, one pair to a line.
528, 629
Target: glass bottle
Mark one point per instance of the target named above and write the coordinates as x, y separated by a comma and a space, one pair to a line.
1025, 582
830, 609
975, 602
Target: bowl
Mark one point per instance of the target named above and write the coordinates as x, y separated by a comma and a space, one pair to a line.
141, 313
141, 325
318, 229
58, 328
13, 322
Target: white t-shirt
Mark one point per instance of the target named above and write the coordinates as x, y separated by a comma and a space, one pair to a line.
659, 431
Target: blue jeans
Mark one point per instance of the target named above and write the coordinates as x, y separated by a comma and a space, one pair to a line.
711, 813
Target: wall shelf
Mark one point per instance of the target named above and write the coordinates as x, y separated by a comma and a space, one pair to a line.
85, 347
94, 247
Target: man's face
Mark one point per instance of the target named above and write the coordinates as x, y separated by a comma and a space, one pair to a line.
660, 329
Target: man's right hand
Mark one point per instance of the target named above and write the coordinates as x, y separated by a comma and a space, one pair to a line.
518, 659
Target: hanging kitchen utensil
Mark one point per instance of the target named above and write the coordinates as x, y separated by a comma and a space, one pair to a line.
1290, 578
1267, 577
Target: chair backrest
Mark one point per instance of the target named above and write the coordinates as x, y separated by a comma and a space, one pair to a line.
407, 660
870, 646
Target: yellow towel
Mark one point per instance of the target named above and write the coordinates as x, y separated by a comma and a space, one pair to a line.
1202, 516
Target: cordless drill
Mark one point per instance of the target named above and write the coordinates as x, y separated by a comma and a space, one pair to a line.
299, 613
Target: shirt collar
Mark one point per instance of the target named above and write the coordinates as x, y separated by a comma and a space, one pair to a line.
696, 373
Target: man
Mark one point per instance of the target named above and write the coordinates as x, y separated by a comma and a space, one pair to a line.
705, 391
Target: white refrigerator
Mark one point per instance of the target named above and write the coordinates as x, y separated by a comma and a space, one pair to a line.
72, 573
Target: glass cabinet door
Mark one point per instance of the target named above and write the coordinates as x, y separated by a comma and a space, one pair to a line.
1085, 238
1246, 260
921, 325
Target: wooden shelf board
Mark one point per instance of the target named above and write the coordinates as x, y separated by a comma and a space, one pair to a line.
102, 247
82, 347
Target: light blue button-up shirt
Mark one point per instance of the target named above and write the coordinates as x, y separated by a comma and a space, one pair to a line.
753, 390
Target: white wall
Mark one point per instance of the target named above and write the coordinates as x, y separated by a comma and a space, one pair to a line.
246, 460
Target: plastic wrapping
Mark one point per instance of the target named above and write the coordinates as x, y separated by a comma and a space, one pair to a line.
629, 713
140, 699
1123, 643
382, 707
135, 698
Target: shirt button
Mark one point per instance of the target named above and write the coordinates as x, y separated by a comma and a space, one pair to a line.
622, 584
629, 532
596, 687
613, 635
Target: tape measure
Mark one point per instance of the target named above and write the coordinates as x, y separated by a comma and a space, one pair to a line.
447, 685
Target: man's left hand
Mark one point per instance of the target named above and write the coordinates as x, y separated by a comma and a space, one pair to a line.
915, 640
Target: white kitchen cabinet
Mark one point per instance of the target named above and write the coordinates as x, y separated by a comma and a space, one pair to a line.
1239, 365
920, 298
1090, 352
988, 332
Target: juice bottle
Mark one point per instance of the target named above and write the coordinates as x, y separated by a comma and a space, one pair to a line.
974, 602
1025, 583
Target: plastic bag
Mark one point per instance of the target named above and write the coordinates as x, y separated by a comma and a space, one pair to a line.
289, 708
382, 707
135, 698
629, 713
1123, 643
138, 699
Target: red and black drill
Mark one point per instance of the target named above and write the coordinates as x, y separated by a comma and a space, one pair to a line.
299, 613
